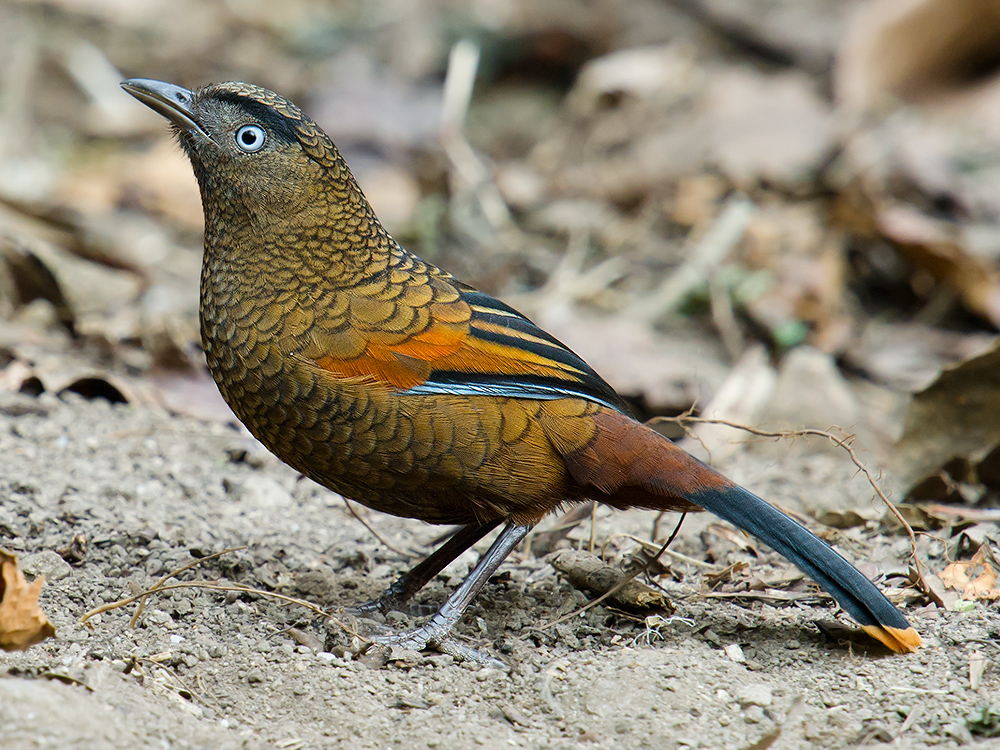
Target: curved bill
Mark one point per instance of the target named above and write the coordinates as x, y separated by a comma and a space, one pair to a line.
173, 102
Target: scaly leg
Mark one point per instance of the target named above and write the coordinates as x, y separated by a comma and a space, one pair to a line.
435, 632
408, 584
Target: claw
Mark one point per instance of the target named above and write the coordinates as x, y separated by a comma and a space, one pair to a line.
426, 637
435, 632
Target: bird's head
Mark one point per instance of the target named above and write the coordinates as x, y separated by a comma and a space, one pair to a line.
252, 150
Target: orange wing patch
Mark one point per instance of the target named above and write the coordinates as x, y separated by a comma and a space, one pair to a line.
449, 341
485, 357
402, 365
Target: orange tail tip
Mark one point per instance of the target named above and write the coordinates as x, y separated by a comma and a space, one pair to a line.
899, 640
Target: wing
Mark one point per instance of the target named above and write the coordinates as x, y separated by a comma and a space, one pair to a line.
417, 330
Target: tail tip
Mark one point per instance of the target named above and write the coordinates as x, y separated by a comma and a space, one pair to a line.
900, 640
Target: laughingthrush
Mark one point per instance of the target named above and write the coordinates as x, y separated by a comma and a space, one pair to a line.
389, 381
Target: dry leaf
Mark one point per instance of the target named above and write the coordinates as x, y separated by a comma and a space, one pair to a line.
845, 519
31, 279
736, 537
917, 51
939, 249
935, 589
909, 356
975, 578
22, 623
954, 417
772, 128
917, 516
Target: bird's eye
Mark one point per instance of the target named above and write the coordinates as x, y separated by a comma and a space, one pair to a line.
250, 138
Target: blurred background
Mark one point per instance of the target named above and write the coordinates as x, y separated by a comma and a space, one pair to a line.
780, 212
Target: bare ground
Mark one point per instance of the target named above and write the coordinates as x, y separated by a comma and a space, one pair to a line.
204, 669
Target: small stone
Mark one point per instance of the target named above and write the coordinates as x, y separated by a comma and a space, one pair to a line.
263, 492
754, 695
376, 657
440, 660
45, 563
398, 620
958, 731
255, 676
753, 715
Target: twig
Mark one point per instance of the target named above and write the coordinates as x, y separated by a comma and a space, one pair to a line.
173, 574
218, 587
593, 525
460, 80
679, 556
721, 306
374, 533
705, 255
463, 62
842, 442
179, 684
622, 583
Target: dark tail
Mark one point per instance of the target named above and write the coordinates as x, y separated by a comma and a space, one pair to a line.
853, 591
628, 465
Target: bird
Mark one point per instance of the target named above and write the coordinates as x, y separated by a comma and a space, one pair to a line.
391, 382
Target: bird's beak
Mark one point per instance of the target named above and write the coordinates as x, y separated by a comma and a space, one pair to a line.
173, 102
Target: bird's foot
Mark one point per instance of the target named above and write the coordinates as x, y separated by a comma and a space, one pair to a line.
430, 636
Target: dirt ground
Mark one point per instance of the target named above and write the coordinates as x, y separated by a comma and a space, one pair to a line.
765, 211
206, 669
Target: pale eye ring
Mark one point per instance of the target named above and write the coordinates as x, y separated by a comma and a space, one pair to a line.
251, 138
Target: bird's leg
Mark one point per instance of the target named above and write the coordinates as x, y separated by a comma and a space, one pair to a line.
408, 584
435, 631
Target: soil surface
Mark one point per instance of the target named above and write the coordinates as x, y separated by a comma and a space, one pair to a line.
128, 495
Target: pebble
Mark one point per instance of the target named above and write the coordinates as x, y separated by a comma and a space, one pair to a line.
255, 676
157, 617
754, 695
45, 563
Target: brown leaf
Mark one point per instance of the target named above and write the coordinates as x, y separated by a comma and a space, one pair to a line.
917, 516
917, 51
844, 519
32, 279
22, 622
975, 578
937, 249
935, 589
954, 417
